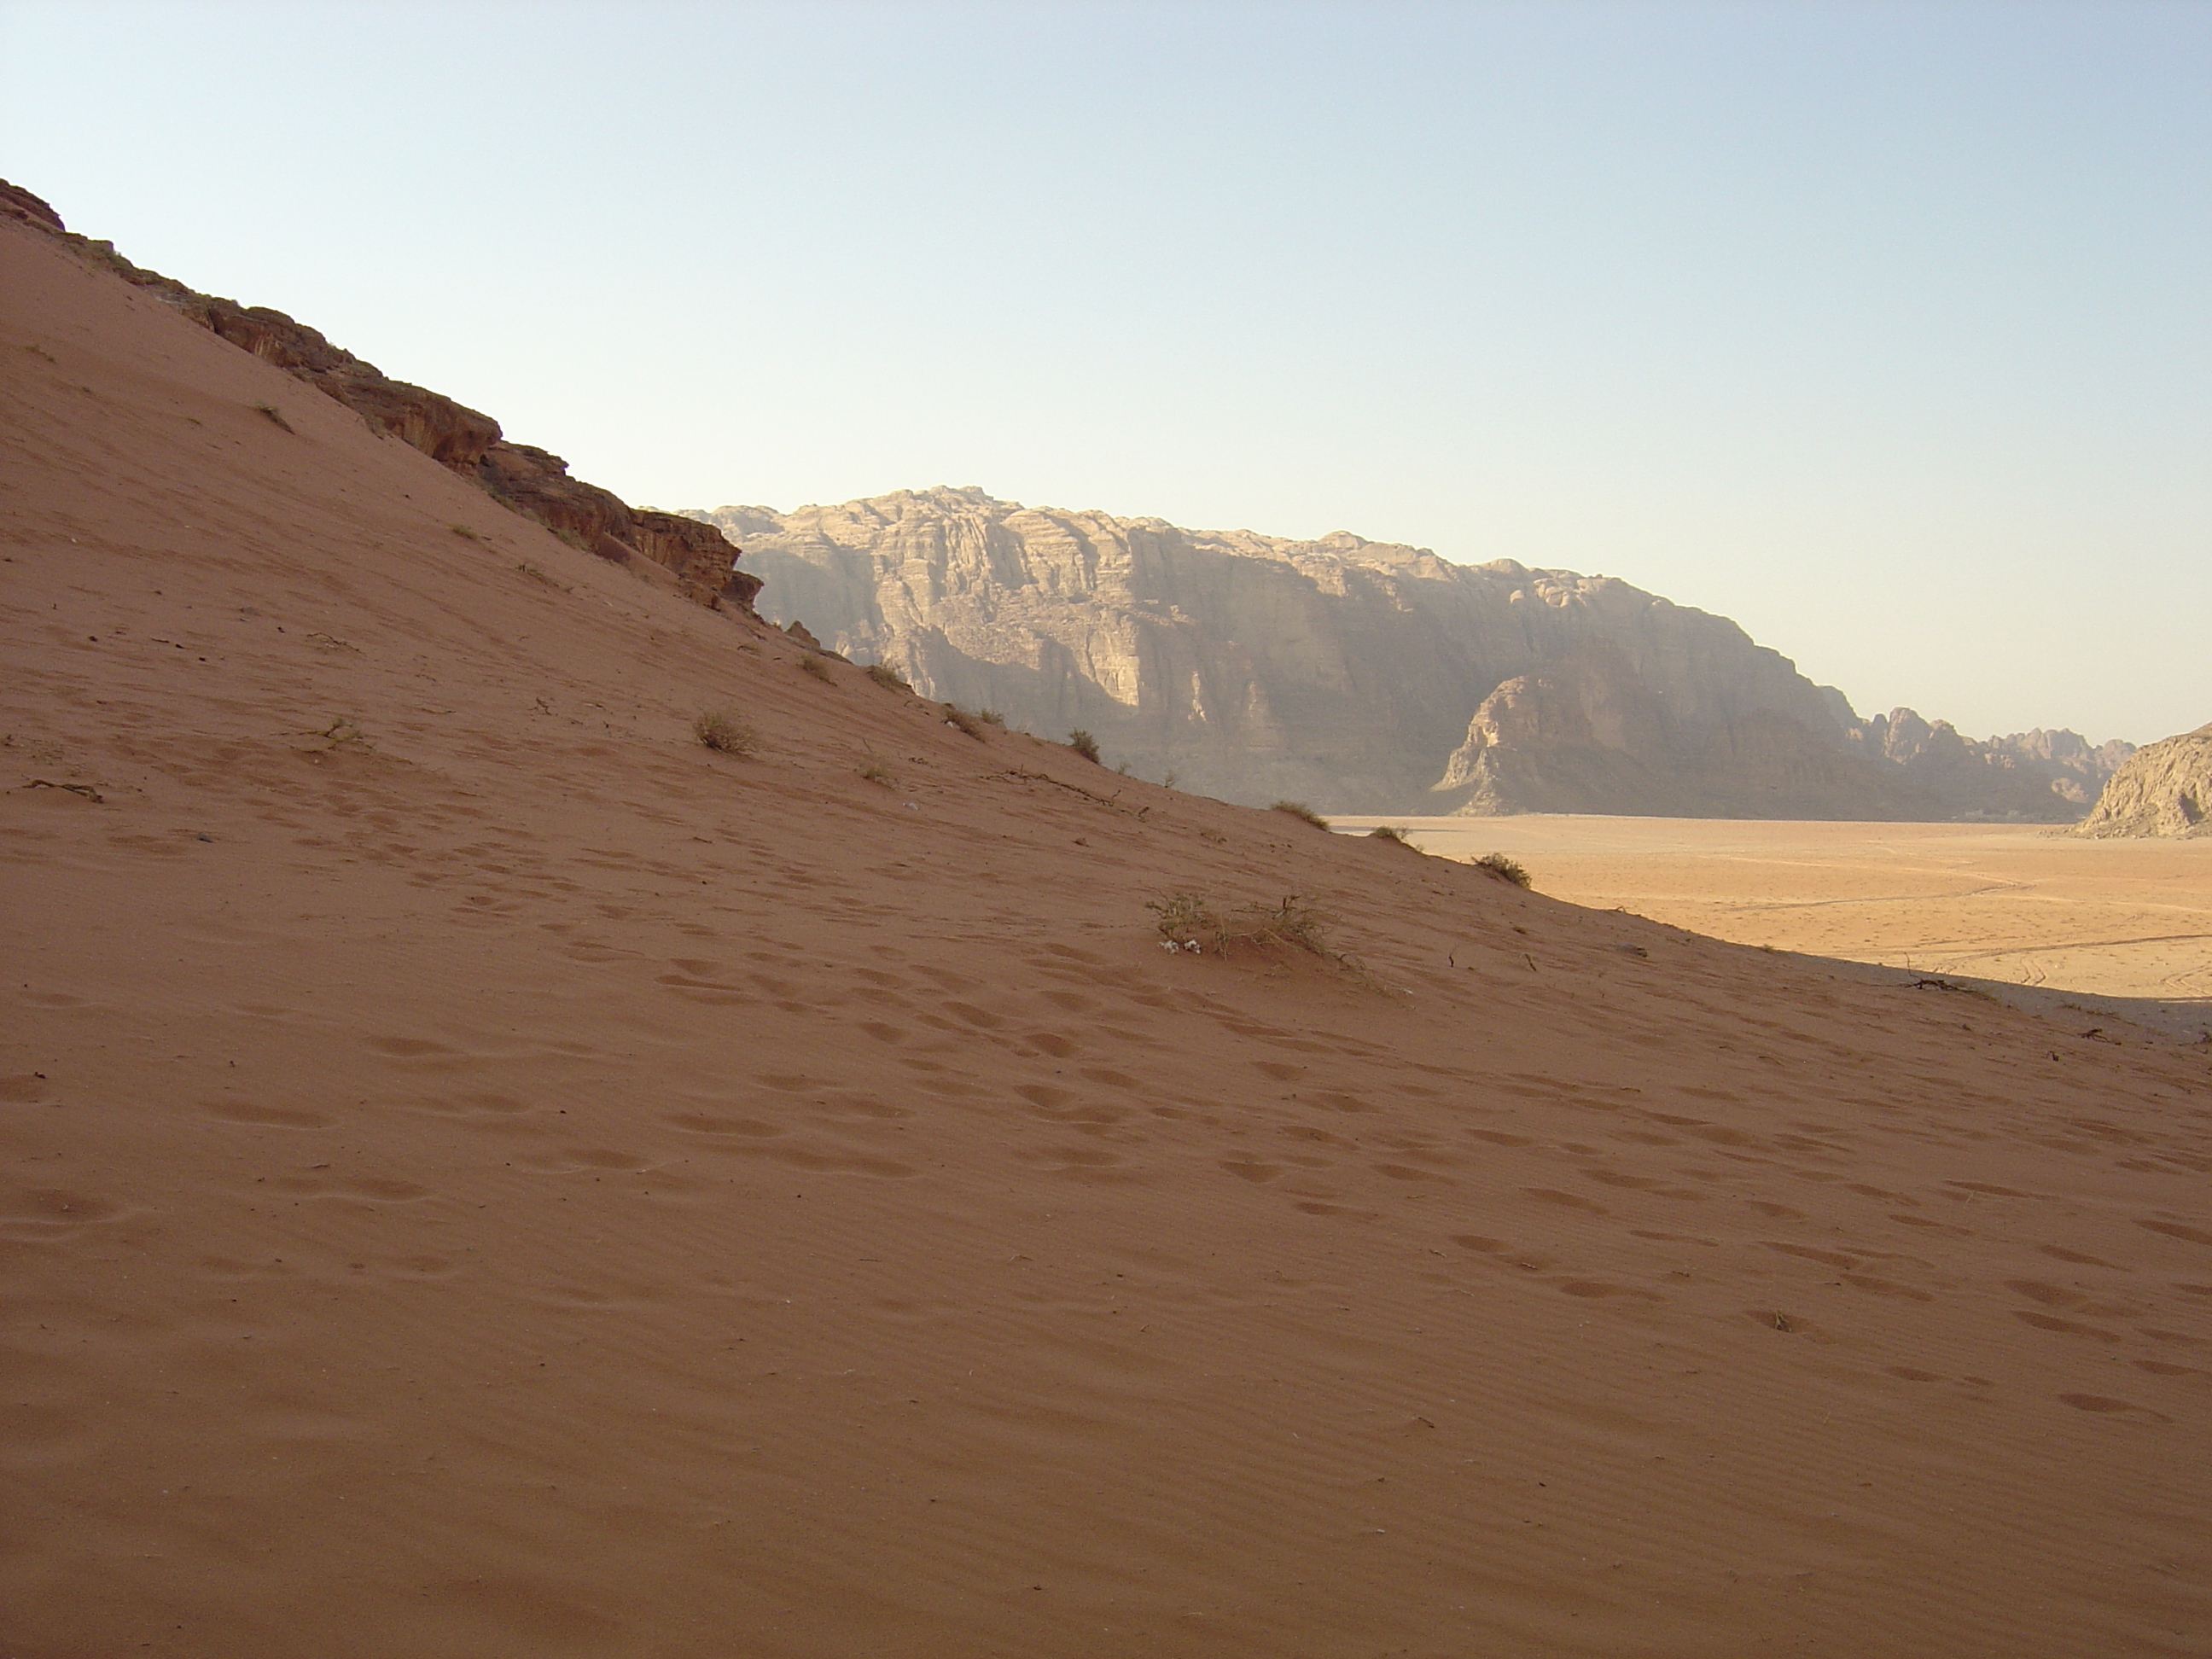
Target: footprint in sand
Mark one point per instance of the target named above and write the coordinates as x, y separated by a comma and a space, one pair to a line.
2175, 1230
280, 1117
702, 1123
2066, 1327
2104, 1403
1566, 1200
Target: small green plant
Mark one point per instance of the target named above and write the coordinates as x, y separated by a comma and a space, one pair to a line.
1505, 869
1300, 809
887, 677
724, 733
814, 666
876, 772
273, 414
1085, 746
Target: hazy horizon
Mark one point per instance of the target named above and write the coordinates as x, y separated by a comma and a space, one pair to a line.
1880, 329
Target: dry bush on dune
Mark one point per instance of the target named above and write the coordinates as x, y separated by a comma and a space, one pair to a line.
966, 719
1299, 810
876, 772
275, 414
1505, 869
887, 677
1397, 832
991, 717
724, 734
1189, 921
1085, 746
814, 666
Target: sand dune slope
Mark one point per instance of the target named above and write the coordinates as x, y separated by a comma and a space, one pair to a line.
487, 1177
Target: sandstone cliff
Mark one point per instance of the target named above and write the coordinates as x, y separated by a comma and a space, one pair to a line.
1362, 676
671, 549
2162, 789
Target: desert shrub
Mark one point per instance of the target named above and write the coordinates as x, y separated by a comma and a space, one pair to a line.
466, 532
1300, 809
991, 717
1085, 746
876, 772
1291, 922
966, 719
724, 733
814, 666
887, 677
275, 414
1505, 869
1187, 922
1397, 832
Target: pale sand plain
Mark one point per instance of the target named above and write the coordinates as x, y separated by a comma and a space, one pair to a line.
2024, 904
485, 1177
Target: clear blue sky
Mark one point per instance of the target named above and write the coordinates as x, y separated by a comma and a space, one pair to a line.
1884, 328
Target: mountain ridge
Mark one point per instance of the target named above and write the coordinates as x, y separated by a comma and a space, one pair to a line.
1368, 676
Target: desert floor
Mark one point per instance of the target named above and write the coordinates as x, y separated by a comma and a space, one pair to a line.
2124, 919
482, 1175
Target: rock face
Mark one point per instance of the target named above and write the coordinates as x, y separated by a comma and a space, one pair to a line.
1364, 676
2162, 789
694, 560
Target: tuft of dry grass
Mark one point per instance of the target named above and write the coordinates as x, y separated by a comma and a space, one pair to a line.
466, 532
1397, 832
273, 414
887, 677
1085, 746
724, 734
876, 772
1300, 809
1505, 869
966, 719
814, 665
991, 717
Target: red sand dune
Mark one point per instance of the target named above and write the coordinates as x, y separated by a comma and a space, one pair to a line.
515, 1183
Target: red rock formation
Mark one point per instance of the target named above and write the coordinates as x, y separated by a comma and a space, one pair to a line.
695, 559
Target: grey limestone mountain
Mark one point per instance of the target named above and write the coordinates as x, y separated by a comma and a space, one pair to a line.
1365, 675
2162, 789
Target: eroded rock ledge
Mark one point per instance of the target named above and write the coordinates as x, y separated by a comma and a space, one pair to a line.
698, 557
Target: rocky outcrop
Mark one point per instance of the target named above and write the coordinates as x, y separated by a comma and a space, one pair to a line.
2029, 774
694, 560
2162, 789
1363, 675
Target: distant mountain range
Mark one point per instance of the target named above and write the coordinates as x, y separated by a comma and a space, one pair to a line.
1370, 677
